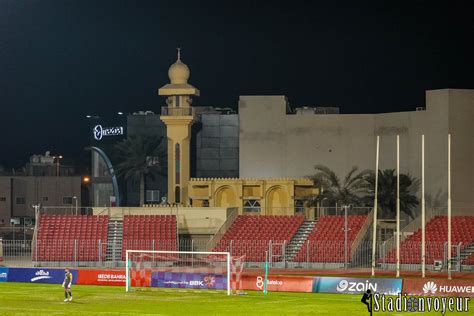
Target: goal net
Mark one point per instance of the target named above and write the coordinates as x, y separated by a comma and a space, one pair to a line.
184, 269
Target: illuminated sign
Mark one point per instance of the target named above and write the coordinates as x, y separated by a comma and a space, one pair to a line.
100, 131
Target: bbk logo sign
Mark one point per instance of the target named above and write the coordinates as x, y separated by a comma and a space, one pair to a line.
196, 283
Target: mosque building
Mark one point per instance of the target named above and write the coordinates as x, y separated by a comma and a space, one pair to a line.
259, 159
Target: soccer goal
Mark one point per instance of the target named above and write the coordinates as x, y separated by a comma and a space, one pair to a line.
184, 269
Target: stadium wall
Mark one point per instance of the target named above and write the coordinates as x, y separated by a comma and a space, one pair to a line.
276, 283
191, 220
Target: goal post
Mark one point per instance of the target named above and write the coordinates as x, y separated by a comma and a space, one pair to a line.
183, 269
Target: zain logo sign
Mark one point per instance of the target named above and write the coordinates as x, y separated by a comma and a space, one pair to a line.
100, 131
430, 287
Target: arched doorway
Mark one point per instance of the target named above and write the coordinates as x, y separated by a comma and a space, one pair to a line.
225, 197
277, 201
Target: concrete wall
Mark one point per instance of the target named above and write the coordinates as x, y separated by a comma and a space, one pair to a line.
191, 220
47, 191
276, 144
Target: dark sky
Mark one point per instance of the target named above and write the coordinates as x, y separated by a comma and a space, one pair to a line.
63, 59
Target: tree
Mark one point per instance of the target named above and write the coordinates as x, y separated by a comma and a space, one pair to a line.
140, 156
351, 190
387, 193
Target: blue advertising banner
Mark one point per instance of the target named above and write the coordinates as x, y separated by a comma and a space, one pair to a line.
189, 280
3, 274
356, 285
39, 275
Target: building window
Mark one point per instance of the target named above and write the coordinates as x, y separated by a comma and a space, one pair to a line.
177, 195
251, 206
3, 199
45, 199
177, 101
177, 163
152, 196
299, 206
20, 200
67, 200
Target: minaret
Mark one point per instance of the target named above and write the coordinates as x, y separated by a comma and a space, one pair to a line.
178, 117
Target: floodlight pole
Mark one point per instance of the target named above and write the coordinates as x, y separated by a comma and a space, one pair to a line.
374, 233
423, 232
398, 206
449, 206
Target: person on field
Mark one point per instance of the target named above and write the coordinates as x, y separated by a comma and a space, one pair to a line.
67, 285
367, 297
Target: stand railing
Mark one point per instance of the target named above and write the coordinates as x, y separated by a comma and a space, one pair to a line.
217, 236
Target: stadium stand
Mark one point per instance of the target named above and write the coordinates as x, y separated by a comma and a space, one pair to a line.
149, 232
326, 241
60, 235
436, 235
250, 235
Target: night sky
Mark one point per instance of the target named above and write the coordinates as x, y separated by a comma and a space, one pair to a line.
61, 60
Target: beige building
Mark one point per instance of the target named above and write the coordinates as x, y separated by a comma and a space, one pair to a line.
272, 196
274, 142
18, 194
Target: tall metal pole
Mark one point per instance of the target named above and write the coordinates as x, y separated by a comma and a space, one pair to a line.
423, 245
449, 206
345, 236
398, 206
374, 233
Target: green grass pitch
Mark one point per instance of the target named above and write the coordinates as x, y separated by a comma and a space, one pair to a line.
47, 299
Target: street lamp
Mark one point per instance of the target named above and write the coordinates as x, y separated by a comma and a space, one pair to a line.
75, 199
57, 163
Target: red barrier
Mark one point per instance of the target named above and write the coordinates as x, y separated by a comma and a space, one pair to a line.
279, 283
438, 287
101, 277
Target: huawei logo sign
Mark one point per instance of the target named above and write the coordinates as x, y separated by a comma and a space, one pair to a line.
430, 287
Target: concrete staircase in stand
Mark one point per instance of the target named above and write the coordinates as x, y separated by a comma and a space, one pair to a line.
114, 240
299, 238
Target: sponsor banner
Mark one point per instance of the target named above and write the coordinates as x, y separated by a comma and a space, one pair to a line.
440, 287
278, 283
102, 277
357, 285
189, 280
3, 274
39, 275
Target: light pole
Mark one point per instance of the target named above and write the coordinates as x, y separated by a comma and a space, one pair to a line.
57, 163
75, 200
346, 230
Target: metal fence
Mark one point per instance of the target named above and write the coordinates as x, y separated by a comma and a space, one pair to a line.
312, 254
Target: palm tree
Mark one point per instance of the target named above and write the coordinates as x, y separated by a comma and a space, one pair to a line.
140, 156
351, 190
387, 193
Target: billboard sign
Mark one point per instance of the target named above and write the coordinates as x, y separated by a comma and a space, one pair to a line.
189, 280
3, 274
357, 285
438, 287
278, 283
54, 276
102, 277
99, 131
